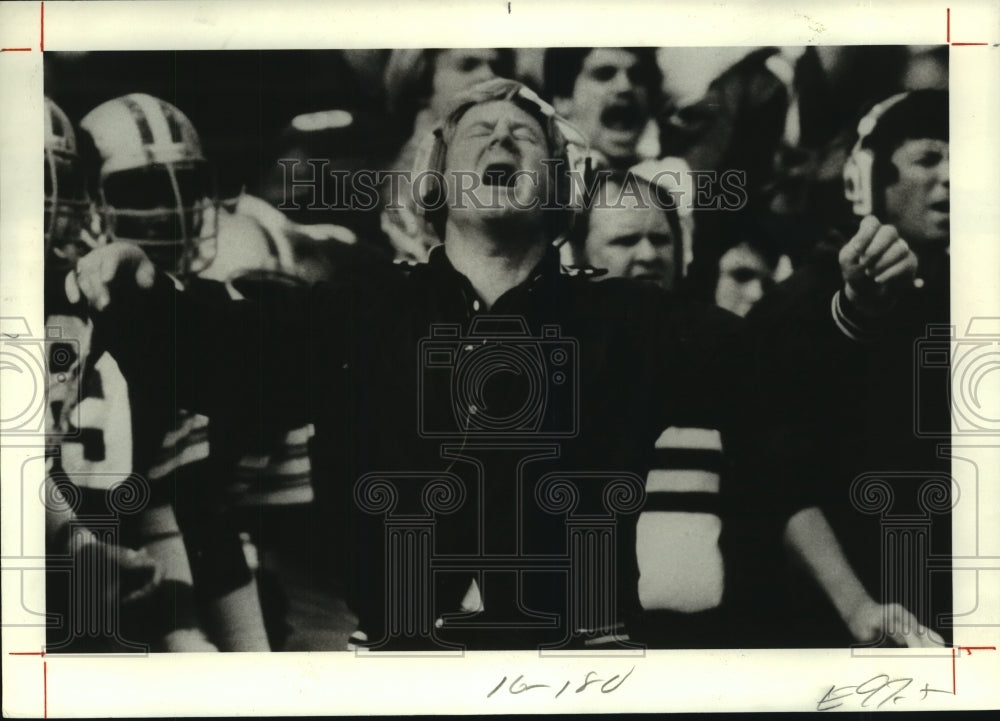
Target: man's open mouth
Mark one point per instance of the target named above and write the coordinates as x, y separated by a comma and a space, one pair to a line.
942, 206
649, 275
623, 117
500, 174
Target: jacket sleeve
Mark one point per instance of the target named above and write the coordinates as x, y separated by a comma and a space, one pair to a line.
248, 363
805, 361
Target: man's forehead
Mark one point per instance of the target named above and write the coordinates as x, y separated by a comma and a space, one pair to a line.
742, 256
632, 194
621, 212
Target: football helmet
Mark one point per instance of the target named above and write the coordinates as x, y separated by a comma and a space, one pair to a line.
65, 192
152, 184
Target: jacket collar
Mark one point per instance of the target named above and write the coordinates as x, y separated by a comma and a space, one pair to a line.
544, 273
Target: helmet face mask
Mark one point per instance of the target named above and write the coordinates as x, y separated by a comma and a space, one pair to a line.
167, 209
66, 205
154, 187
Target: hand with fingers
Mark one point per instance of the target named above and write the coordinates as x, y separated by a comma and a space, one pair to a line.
141, 574
138, 574
869, 621
876, 266
111, 273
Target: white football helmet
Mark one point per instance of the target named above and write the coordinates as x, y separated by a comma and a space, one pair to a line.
153, 186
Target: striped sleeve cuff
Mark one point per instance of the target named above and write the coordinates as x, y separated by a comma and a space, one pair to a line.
851, 323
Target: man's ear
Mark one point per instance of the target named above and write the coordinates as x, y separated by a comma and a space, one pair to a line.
563, 107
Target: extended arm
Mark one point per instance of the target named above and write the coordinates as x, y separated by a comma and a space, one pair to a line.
239, 362
812, 541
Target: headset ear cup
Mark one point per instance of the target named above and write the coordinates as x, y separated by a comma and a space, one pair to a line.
858, 181
866, 162
858, 166
437, 166
563, 179
851, 180
428, 167
571, 178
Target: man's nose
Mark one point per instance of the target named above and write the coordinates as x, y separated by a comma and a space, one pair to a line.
645, 252
621, 83
502, 135
944, 173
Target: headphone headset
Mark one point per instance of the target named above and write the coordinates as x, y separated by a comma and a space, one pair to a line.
570, 146
859, 164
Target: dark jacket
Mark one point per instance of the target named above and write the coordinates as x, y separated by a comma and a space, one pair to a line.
846, 422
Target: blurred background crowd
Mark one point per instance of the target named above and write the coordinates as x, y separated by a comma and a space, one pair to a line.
785, 116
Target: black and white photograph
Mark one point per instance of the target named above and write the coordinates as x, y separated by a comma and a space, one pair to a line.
398, 354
